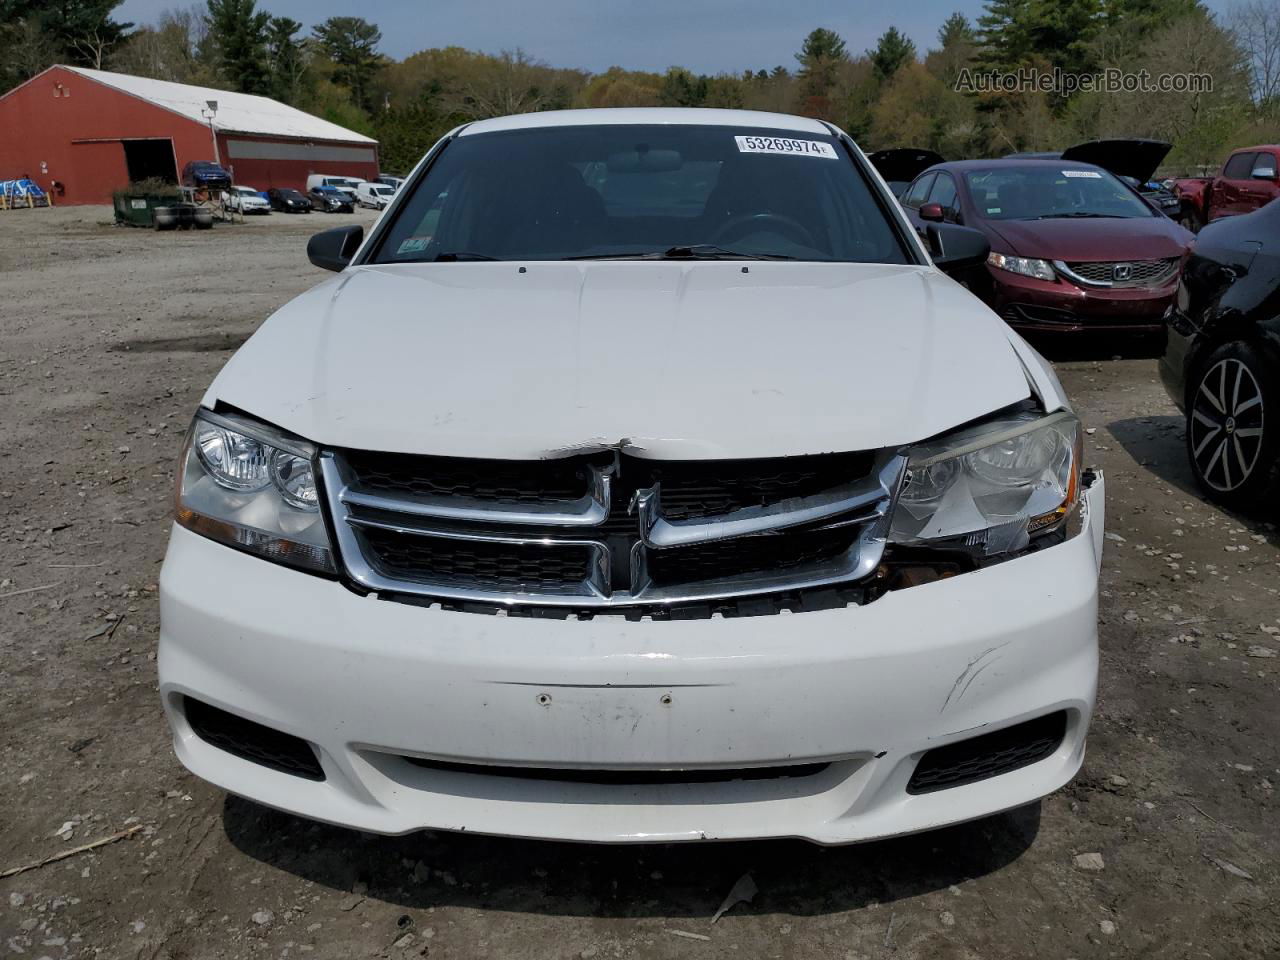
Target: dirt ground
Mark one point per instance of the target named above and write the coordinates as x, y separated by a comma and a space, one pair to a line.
109, 337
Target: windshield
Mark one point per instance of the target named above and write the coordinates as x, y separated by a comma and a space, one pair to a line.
1045, 192
628, 190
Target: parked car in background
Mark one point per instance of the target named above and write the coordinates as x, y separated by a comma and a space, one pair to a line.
347, 185
395, 183
1072, 247
767, 598
900, 165
206, 175
245, 200
330, 199
288, 200
1249, 179
1222, 359
375, 195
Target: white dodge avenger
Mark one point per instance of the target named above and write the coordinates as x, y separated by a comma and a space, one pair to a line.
640, 476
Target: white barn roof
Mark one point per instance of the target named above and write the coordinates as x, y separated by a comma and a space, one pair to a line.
237, 112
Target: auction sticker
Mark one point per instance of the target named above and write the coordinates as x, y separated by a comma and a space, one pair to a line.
785, 145
1082, 174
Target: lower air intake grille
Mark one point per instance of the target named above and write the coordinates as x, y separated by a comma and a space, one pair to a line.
626, 778
989, 755
252, 741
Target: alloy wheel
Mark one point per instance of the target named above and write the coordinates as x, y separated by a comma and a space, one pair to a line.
1226, 425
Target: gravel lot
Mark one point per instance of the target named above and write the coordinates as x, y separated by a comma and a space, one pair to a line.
1165, 846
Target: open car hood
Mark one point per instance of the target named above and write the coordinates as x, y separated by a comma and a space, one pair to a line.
1126, 158
903, 163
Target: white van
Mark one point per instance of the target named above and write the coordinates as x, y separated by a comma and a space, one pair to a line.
346, 184
374, 194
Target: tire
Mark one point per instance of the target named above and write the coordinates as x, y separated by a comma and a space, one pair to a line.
1233, 427
1189, 218
164, 218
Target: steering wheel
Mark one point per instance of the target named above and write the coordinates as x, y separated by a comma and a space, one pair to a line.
792, 228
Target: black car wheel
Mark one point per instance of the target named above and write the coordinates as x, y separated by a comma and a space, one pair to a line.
1232, 445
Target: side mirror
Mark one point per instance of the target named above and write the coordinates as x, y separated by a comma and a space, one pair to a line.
1264, 173
932, 212
333, 249
955, 249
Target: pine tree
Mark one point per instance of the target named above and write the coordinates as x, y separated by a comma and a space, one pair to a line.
956, 30
891, 52
238, 41
73, 31
288, 64
680, 88
820, 57
352, 44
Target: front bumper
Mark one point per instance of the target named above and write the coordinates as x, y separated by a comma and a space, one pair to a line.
370, 683
1059, 306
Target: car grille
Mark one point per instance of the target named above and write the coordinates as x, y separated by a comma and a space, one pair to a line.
625, 778
608, 532
1122, 273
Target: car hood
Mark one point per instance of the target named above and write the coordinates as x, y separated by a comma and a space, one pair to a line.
1130, 238
671, 360
903, 163
1126, 158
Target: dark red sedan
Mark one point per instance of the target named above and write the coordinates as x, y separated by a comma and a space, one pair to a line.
1073, 247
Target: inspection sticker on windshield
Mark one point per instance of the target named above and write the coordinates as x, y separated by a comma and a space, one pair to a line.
803, 148
1083, 174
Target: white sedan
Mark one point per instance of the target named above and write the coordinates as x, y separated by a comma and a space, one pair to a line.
641, 476
245, 200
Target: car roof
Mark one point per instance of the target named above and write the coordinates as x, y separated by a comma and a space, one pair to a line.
649, 115
1012, 163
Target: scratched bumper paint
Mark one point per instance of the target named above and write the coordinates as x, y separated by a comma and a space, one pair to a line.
868, 689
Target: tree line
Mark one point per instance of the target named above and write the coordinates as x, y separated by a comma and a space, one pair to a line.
891, 94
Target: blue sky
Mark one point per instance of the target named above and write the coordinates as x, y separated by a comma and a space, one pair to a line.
707, 36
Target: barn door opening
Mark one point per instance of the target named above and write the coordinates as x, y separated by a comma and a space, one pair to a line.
150, 158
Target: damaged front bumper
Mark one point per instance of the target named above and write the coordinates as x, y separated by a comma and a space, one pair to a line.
813, 725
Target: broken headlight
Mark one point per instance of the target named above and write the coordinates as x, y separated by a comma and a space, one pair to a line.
990, 488
253, 487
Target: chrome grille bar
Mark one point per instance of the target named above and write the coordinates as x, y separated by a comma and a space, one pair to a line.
1102, 273
588, 510
861, 507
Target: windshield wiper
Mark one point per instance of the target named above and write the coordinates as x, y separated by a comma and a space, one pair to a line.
692, 251
1078, 214
453, 256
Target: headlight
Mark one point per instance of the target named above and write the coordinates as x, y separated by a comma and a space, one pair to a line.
1040, 269
993, 486
253, 487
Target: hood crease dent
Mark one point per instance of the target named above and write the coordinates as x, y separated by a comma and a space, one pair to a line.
671, 360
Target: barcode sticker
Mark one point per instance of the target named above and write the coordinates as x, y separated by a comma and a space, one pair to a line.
786, 146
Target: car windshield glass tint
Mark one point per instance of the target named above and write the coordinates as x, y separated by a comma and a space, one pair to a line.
1051, 192
629, 190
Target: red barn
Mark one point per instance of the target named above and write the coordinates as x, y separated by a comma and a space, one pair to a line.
85, 133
